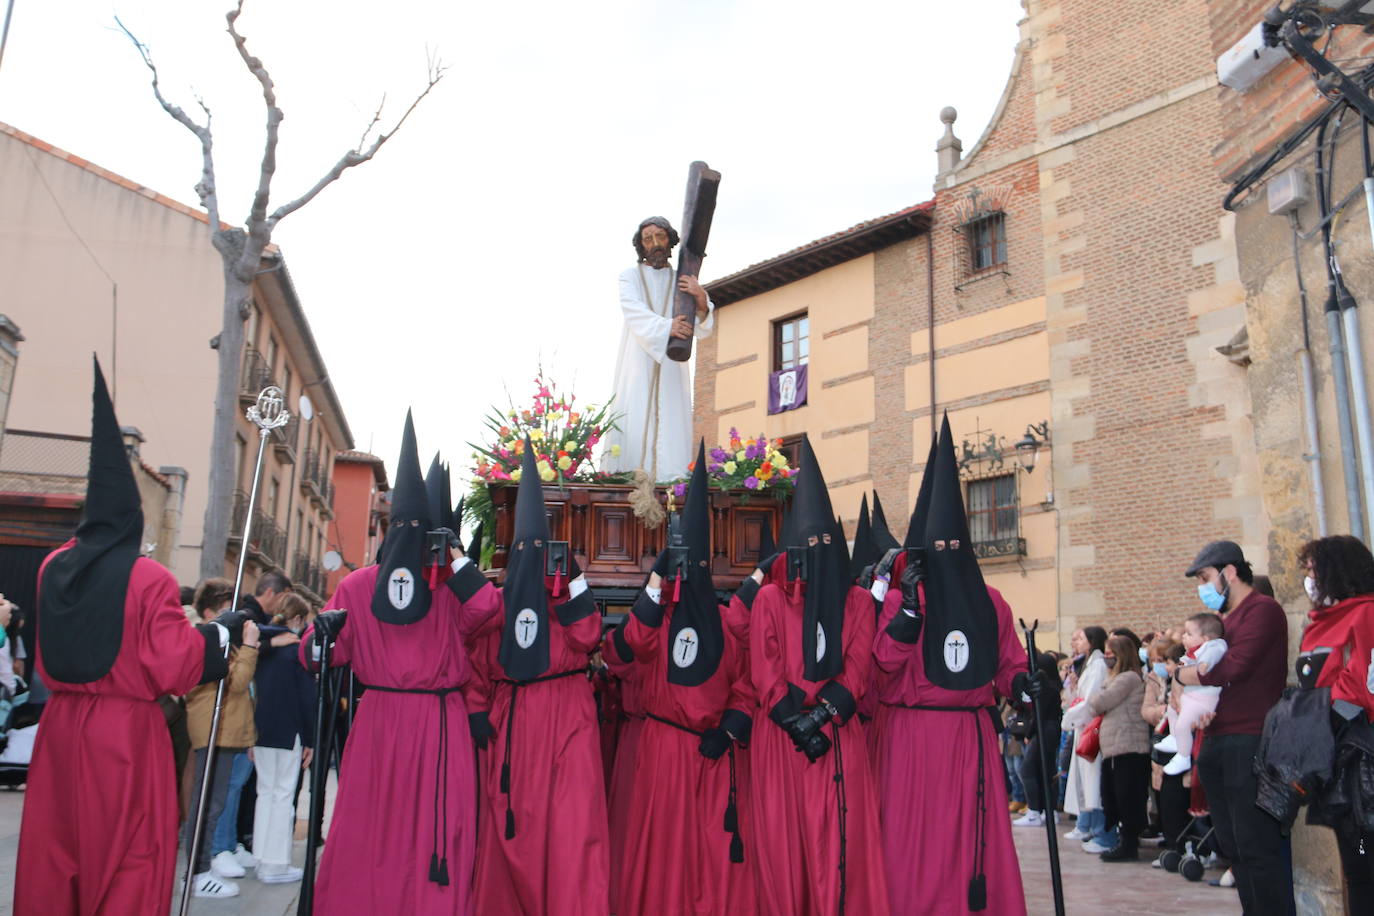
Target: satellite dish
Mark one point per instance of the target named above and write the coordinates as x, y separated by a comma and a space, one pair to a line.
331, 559
308, 413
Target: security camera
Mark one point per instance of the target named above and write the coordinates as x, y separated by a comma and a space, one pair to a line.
1247, 61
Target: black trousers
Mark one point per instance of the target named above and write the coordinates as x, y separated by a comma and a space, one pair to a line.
1251, 839
1357, 863
1032, 776
1125, 790
1173, 810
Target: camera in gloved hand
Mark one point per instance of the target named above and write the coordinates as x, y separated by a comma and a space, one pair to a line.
805, 730
912, 577
233, 622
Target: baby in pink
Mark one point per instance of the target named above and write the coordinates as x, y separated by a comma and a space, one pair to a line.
1202, 637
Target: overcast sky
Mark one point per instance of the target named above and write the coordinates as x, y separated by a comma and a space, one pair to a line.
487, 235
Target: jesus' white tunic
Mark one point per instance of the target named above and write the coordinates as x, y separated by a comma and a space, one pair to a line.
653, 394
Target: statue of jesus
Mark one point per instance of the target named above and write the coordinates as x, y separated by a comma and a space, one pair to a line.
653, 394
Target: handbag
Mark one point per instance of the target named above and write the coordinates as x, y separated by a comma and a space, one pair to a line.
1090, 740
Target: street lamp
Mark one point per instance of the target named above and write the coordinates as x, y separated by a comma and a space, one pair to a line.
1028, 447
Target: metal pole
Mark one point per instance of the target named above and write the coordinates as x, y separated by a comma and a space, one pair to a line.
1046, 775
319, 772
268, 413
5, 33
1341, 380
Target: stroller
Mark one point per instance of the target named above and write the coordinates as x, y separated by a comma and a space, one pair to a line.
18, 729
1191, 862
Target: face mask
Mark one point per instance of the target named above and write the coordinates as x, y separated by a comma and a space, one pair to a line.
1161, 669
1111, 662
1309, 585
1144, 656
1211, 598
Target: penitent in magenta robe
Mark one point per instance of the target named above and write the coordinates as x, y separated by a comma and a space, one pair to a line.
797, 803
677, 848
386, 823
928, 778
619, 658
557, 862
99, 833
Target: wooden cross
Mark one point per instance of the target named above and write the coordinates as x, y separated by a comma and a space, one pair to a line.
700, 207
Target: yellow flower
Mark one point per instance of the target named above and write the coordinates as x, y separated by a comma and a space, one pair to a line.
729, 467
778, 460
555, 416
564, 463
547, 474
741, 455
615, 451
537, 435
515, 474
570, 445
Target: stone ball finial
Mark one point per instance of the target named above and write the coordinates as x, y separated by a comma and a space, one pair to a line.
948, 115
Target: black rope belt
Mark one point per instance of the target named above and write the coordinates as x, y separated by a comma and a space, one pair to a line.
438, 861
510, 731
731, 811
978, 884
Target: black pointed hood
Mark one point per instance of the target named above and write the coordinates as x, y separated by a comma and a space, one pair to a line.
524, 651
437, 492
767, 545
916, 527
960, 637
865, 553
696, 637
475, 547
402, 594
83, 589
842, 539
827, 589
883, 538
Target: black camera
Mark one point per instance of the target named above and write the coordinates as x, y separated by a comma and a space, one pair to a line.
814, 746
556, 558
436, 542
798, 564
677, 549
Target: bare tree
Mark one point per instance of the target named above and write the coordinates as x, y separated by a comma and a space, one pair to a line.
241, 249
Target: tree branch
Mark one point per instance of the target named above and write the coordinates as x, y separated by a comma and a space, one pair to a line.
205, 188
259, 229
358, 156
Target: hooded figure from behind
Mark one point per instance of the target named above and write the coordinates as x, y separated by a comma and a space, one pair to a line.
402, 594
100, 811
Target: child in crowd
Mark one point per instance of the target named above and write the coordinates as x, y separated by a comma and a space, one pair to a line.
1202, 637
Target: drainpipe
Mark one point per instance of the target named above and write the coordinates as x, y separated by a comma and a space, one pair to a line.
1350, 321
930, 325
1339, 375
1309, 391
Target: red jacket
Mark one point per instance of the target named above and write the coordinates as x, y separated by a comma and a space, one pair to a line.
1347, 628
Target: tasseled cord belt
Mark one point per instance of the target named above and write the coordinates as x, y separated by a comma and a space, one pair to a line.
731, 812
438, 857
510, 730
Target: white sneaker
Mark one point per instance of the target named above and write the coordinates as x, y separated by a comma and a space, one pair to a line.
1179, 763
225, 866
1075, 834
206, 884
1158, 862
1167, 745
279, 874
244, 857
1228, 879
1094, 847
1030, 819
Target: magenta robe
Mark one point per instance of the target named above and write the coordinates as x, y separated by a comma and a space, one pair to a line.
99, 833
677, 850
559, 860
795, 802
928, 777
384, 827
620, 795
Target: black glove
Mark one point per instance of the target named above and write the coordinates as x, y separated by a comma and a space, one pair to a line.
661, 564
912, 577
330, 624
479, 723
233, 621
813, 746
1034, 686
865, 580
884, 567
714, 743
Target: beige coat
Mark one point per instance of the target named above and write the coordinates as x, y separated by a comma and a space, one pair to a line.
1124, 729
236, 725
1153, 710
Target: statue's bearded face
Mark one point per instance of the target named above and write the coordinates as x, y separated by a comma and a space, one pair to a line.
656, 247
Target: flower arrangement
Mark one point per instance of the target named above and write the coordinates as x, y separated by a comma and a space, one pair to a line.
563, 436
751, 464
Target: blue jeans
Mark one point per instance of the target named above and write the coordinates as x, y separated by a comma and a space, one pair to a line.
1013, 767
225, 835
1094, 824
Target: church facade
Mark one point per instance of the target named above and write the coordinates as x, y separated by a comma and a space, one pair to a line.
1071, 286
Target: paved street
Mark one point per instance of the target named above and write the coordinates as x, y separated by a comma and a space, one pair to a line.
1134, 888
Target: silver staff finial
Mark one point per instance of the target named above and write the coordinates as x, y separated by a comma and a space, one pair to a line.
270, 410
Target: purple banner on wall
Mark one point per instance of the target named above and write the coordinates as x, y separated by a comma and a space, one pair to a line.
787, 389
